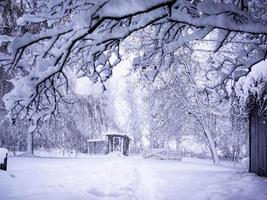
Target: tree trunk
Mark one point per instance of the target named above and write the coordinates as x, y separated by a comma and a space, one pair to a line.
178, 141
211, 146
30, 143
14, 148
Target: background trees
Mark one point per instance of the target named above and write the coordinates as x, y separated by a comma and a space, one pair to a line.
180, 107
78, 119
207, 46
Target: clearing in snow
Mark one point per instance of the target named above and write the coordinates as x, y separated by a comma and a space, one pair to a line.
122, 178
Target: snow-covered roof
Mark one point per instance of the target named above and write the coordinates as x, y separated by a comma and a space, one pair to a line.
119, 134
115, 133
3, 153
96, 140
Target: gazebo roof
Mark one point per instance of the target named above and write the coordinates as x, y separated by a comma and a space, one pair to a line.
119, 135
96, 140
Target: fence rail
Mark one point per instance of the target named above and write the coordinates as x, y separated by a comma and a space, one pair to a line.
163, 154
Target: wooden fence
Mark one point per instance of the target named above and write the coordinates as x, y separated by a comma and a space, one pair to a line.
163, 154
258, 143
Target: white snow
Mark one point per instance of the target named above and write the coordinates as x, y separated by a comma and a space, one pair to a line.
245, 164
114, 132
96, 140
120, 7
5, 38
85, 87
113, 177
246, 84
190, 144
3, 153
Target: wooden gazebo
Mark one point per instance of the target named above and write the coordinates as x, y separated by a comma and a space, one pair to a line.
118, 142
114, 142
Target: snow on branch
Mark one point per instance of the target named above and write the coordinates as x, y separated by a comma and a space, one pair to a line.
85, 35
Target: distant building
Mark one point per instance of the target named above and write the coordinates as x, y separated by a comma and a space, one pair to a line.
115, 142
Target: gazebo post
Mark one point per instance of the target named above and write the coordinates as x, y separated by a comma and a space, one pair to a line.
122, 141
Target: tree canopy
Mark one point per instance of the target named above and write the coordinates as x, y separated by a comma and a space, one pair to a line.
50, 36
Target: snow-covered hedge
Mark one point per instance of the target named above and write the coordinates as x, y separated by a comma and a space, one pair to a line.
3, 153
252, 88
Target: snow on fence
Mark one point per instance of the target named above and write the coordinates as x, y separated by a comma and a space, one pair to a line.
3, 159
163, 154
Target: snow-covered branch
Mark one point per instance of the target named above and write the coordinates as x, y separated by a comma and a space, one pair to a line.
86, 35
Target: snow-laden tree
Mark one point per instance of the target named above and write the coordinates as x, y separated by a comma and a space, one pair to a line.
166, 116
13, 136
86, 35
134, 124
76, 122
179, 106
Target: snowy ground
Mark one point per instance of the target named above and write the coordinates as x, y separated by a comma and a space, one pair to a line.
125, 178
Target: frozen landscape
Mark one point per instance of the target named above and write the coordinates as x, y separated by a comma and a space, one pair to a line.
133, 99
115, 177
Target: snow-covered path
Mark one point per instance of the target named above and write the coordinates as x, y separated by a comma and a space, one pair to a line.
125, 178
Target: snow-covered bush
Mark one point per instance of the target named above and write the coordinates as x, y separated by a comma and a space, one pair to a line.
3, 153
245, 164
